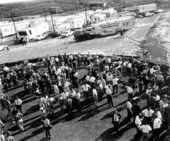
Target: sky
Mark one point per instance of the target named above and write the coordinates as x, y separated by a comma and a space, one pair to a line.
13, 1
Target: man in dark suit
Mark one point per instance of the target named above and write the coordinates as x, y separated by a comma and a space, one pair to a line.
115, 120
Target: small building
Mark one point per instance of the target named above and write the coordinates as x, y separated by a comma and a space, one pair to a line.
77, 21
97, 17
110, 12
7, 29
62, 27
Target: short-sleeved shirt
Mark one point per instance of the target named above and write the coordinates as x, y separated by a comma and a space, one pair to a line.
146, 128
148, 113
115, 81
108, 91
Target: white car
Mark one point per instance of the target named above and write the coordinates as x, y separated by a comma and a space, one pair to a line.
159, 11
39, 37
3, 47
66, 33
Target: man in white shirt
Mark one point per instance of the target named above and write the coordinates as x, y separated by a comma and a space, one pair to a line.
138, 123
109, 96
2, 137
115, 120
95, 97
115, 84
156, 128
56, 90
158, 113
145, 130
18, 104
92, 81
129, 109
129, 91
148, 114
86, 89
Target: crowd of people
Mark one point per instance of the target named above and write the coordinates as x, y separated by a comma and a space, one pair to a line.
56, 79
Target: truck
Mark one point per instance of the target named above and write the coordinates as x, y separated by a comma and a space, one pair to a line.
84, 34
34, 31
113, 26
142, 10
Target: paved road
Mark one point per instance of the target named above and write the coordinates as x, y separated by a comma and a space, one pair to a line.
109, 45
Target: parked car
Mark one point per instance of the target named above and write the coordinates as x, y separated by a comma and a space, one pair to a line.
39, 37
158, 11
66, 33
3, 47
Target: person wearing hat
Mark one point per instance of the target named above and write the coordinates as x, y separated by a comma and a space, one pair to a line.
10, 137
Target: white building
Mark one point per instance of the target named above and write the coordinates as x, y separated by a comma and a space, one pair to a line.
62, 27
7, 28
97, 17
77, 21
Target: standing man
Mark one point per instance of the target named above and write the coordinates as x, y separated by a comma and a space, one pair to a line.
47, 126
18, 104
95, 97
145, 131
156, 128
115, 120
109, 96
129, 91
68, 106
2, 137
115, 84
86, 89
129, 110
138, 123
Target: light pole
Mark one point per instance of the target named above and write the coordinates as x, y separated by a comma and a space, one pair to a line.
2, 13
14, 24
52, 21
45, 15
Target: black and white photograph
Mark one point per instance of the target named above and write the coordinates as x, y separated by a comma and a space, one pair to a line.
84, 70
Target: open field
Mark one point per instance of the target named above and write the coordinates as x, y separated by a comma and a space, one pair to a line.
37, 7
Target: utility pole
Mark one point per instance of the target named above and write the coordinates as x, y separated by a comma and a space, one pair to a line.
45, 15
14, 25
77, 3
2, 16
52, 21
86, 15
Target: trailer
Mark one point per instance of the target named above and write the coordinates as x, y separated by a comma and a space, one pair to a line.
147, 8
34, 31
143, 10
113, 26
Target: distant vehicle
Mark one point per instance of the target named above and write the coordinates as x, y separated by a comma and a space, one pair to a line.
84, 34
3, 47
39, 37
66, 33
148, 14
113, 26
34, 32
142, 9
158, 11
